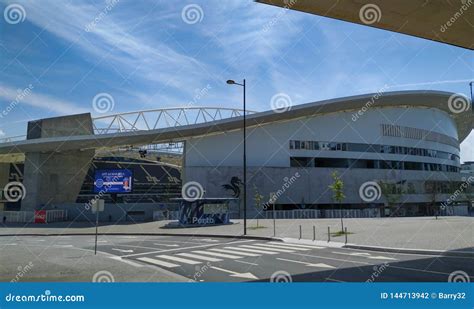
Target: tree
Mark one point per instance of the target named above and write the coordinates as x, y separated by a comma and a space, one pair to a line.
337, 188
433, 188
258, 198
393, 193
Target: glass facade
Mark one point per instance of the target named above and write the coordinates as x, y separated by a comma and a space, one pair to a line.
357, 147
371, 164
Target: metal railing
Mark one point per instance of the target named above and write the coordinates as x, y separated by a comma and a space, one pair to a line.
57, 215
154, 119
162, 118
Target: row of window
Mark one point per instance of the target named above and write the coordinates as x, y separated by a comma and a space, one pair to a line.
420, 134
356, 147
370, 164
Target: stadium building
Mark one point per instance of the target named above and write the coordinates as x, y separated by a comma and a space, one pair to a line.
397, 153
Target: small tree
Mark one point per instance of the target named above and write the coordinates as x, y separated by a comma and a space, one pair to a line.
337, 188
258, 198
392, 193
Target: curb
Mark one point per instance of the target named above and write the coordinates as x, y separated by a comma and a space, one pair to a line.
145, 234
287, 240
412, 251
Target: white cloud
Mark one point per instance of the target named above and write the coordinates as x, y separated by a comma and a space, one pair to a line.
115, 41
41, 101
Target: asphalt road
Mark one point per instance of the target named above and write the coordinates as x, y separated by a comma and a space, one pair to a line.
228, 260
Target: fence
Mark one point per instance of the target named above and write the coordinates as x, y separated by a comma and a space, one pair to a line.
29, 216
17, 216
320, 213
56, 216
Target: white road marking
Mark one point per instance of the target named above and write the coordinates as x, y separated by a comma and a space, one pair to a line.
199, 257
321, 265
228, 256
234, 252
251, 250
283, 247
166, 245
118, 258
271, 249
121, 250
254, 264
335, 280
366, 255
333, 259
192, 247
296, 245
178, 259
236, 274
157, 262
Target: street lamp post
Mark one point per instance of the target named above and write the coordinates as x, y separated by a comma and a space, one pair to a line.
472, 98
231, 82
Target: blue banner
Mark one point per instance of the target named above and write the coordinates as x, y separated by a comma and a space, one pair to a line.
236, 295
113, 181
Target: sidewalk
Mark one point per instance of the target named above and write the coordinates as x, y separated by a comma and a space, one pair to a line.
420, 233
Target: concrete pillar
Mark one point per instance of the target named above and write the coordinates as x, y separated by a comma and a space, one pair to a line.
56, 177
4, 177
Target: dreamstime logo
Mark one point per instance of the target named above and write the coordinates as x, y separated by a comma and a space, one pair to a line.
22, 271
109, 5
369, 103
103, 103
14, 191
199, 94
378, 270
459, 276
192, 191
280, 103
14, 14
200, 270
103, 276
192, 14
22, 94
288, 181
458, 103
466, 4
288, 5
102, 192
281, 276
463, 187
370, 191
370, 14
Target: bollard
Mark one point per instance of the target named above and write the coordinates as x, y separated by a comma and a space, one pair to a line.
329, 234
314, 233
345, 232
300, 231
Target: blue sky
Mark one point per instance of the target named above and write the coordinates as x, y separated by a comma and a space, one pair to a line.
146, 56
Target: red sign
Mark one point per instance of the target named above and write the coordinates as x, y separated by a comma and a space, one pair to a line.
40, 216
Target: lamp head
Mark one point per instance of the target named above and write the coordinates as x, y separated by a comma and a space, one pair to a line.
230, 82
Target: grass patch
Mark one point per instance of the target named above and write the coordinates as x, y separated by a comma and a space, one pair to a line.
256, 227
340, 233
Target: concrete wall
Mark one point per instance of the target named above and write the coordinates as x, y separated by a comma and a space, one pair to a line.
311, 186
268, 145
4, 176
56, 177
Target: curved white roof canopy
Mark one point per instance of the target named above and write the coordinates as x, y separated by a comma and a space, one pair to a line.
409, 99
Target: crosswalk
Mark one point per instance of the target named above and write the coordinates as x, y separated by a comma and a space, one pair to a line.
218, 254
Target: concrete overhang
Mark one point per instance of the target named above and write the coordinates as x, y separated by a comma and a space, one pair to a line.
446, 21
407, 99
